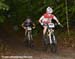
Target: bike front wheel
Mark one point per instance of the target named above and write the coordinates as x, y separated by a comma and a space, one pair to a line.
30, 40
53, 43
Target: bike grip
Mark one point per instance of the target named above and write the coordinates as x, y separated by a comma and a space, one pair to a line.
41, 23
61, 25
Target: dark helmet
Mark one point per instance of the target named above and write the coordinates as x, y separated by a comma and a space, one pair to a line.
28, 19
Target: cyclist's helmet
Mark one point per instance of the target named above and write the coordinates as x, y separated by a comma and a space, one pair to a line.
28, 20
49, 10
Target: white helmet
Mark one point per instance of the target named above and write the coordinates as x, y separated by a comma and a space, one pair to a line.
49, 10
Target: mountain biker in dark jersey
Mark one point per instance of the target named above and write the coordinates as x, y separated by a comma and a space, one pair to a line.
28, 23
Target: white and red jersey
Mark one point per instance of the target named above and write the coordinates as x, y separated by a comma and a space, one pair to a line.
47, 18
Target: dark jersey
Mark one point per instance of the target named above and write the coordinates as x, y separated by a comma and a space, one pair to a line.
28, 24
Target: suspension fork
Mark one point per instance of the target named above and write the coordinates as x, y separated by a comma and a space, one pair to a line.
53, 38
26, 31
29, 35
30, 39
50, 34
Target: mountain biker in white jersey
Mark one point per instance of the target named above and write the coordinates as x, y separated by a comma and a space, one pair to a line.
47, 18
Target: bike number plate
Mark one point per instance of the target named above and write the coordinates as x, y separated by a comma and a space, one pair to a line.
51, 25
29, 28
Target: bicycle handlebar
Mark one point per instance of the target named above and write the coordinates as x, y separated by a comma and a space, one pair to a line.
60, 25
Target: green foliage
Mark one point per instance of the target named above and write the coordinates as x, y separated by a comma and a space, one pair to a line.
20, 9
3, 5
3, 9
2, 18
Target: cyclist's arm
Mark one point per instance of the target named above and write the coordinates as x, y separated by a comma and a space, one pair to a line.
33, 26
23, 25
56, 19
40, 20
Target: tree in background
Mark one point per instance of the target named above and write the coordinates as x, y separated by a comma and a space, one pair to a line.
3, 9
20, 9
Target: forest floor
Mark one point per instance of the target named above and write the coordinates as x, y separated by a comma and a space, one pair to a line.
12, 47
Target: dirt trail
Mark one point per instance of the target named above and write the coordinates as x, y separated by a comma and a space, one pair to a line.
14, 46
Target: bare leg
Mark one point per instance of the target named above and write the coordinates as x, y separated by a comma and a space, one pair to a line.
45, 29
44, 38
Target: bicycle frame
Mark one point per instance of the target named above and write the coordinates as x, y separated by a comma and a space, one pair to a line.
28, 35
28, 32
51, 36
51, 39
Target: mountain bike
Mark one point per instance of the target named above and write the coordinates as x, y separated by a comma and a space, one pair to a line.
50, 38
28, 37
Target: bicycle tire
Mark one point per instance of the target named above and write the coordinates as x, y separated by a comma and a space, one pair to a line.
53, 45
30, 40
53, 48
